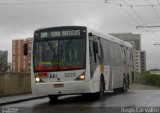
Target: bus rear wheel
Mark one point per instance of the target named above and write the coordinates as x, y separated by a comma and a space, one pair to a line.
125, 86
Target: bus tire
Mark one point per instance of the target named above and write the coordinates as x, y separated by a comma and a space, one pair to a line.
116, 90
101, 88
125, 85
128, 81
87, 95
53, 98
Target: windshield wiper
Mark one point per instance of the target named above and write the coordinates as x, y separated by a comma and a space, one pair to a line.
50, 46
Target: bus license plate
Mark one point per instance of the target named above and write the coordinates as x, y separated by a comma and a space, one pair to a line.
58, 85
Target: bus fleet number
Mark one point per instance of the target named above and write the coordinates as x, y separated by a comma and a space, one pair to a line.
70, 74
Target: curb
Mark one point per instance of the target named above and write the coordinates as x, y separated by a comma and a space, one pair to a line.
21, 100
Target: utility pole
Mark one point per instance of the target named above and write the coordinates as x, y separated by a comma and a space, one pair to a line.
137, 27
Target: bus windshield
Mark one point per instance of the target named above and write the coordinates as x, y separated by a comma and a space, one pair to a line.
63, 54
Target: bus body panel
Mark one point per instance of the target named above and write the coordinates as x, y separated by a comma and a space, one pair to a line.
70, 87
120, 69
117, 77
59, 76
96, 78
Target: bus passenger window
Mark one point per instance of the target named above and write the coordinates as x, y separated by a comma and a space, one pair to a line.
93, 51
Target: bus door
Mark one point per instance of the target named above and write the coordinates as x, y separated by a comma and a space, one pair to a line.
93, 51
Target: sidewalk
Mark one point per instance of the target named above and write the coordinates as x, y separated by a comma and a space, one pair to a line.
143, 87
17, 98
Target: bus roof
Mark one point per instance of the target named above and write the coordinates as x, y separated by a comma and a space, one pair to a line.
59, 27
110, 38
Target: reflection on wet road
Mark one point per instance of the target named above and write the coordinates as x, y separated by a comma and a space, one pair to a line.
77, 103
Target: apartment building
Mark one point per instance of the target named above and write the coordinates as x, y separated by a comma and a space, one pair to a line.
143, 61
21, 63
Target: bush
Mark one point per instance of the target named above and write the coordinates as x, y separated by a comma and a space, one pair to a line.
158, 82
151, 79
140, 79
147, 78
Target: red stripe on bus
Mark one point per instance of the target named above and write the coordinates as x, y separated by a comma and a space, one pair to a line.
72, 67
43, 74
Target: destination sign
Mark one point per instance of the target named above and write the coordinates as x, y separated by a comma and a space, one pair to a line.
60, 33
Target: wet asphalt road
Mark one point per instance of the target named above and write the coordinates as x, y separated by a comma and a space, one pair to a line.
112, 102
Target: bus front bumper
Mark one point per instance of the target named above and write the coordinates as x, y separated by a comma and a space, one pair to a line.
63, 88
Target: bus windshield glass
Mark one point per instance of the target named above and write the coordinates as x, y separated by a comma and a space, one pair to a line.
60, 54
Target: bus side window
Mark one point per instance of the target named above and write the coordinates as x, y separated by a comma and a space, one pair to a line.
92, 52
93, 48
93, 58
125, 58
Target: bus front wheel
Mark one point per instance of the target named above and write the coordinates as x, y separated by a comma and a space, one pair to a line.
53, 98
101, 89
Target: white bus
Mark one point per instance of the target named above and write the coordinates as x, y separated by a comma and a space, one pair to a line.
77, 60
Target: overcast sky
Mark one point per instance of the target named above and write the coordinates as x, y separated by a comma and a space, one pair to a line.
19, 19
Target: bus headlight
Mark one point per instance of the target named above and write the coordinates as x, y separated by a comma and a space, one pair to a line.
37, 79
81, 76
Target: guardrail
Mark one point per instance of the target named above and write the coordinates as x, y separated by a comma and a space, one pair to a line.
15, 83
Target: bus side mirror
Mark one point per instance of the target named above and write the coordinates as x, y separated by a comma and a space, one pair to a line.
25, 49
95, 47
90, 34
